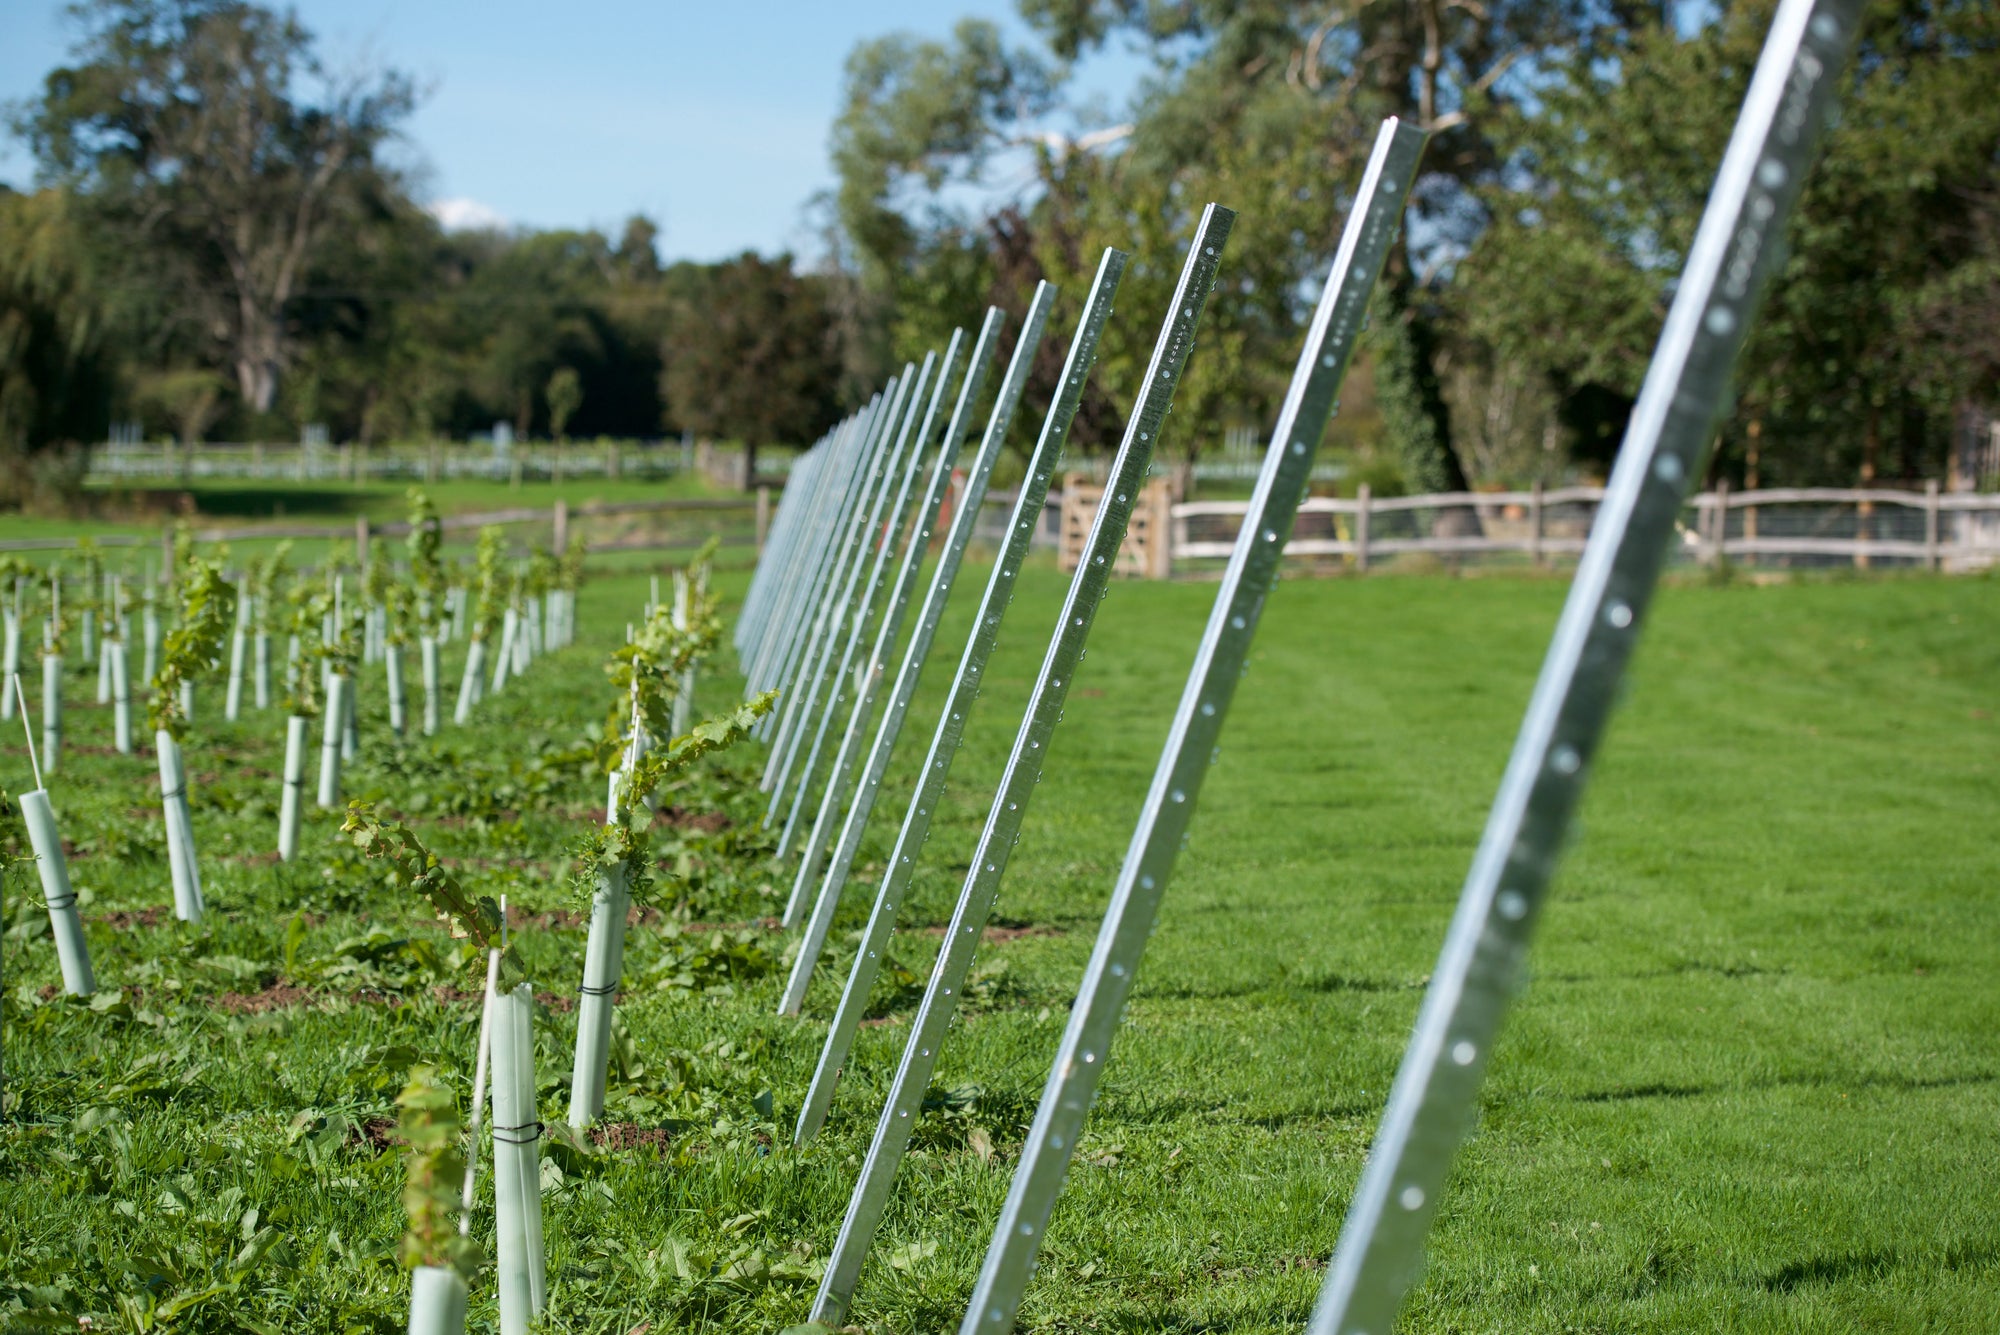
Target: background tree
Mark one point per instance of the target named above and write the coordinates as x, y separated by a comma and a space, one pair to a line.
564, 396
59, 363
211, 143
1574, 276
748, 355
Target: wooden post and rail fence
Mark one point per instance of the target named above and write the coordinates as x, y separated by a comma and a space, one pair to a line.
1790, 527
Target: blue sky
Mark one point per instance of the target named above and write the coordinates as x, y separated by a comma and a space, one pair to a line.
712, 118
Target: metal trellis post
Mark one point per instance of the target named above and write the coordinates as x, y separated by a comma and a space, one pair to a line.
964, 689
1023, 769
806, 610
1184, 760
918, 651
802, 689
1435, 1095
802, 590
887, 537
890, 626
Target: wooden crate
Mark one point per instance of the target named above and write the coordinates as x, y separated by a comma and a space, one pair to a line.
1147, 551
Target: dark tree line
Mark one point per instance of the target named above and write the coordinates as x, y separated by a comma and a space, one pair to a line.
220, 247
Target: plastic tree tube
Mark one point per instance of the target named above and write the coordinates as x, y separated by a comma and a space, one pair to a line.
298, 729
428, 647
46, 841
330, 745
180, 831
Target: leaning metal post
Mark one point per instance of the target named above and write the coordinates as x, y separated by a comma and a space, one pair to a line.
964, 689
824, 491
782, 550
887, 539
918, 650
803, 588
1185, 759
1435, 1096
803, 609
1023, 769
891, 624
803, 687
813, 610
778, 549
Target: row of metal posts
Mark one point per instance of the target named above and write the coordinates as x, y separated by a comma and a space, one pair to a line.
810, 609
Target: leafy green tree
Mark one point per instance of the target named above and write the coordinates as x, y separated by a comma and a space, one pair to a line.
59, 362
1613, 168
564, 395
1269, 107
218, 152
748, 355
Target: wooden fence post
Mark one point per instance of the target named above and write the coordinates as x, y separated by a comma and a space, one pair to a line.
1535, 523
1931, 524
1362, 494
361, 541
763, 516
560, 521
1719, 550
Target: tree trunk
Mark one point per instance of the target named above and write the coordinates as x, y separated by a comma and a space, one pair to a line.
1871, 451
259, 350
1753, 439
1407, 390
749, 465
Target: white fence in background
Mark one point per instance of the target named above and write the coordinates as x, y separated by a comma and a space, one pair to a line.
1790, 527
128, 461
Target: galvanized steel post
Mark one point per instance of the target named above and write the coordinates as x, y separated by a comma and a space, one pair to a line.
918, 651
1735, 248
796, 596
1219, 659
823, 528
845, 555
1024, 765
964, 689
887, 538
834, 795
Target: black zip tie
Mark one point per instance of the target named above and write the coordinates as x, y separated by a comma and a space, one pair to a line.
605, 991
178, 792
57, 905
534, 1130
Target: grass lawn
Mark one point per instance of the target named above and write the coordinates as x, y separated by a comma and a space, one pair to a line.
1751, 1085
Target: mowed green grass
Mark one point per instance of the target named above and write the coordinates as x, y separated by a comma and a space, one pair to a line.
142, 510
1751, 1084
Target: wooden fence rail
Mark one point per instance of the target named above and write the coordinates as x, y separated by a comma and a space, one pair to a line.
1799, 526
1795, 526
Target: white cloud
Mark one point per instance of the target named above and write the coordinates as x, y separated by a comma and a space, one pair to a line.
466, 215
